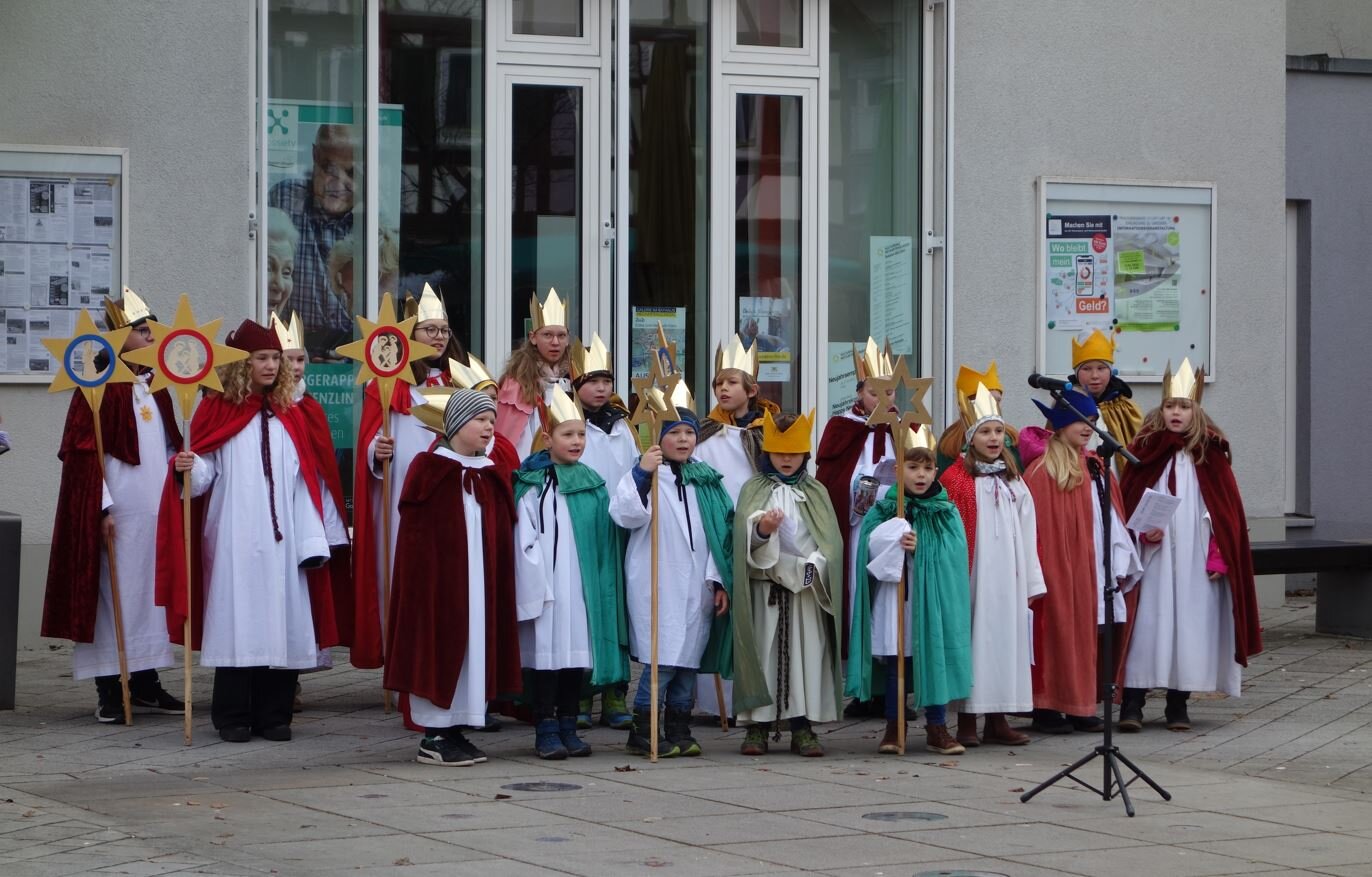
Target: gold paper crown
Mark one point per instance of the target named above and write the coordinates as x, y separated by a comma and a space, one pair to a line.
922, 438
473, 376
736, 356
1185, 383
431, 412
873, 362
132, 309
1097, 345
427, 307
589, 361
292, 334
795, 440
560, 408
552, 312
681, 395
979, 406
968, 380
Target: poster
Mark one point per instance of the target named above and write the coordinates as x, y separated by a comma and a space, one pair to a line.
643, 342
57, 238
1148, 273
892, 292
842, 376
766, 321
1079, 287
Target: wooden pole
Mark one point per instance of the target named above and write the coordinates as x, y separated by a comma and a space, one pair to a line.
115, 599
900, 613
385, 546
652, 665
719, 699
190, 584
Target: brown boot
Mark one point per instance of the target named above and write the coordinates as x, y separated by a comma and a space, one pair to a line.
967, 730
890, 742
937, 739
998, 730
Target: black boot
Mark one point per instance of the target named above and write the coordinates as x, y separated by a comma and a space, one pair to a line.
640, 739
679, 731
1131, 709
109, 706
1175, 713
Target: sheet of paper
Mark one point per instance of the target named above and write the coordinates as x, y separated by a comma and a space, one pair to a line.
1154, 511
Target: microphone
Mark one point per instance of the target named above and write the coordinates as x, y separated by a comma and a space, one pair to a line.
1040, 382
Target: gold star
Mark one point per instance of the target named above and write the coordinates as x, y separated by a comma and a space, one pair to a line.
897, 414
184, 356
386, 350
76, 360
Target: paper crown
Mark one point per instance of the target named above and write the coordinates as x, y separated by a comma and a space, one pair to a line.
252, 336
795, 440
922, 438
1097, 345
427, 307
291, 334
560, 408
979, 406
130, 310
552, 312
430, 414
1060, 415
736, 356
968, 380
472, 376
1185, 383
873, 362
681, 395
592, 360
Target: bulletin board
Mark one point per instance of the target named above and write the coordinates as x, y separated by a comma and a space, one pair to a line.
1129, 257
62, 247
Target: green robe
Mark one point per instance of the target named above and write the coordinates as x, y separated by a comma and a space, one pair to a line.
600, 556
717, 520
940, 620
750, 682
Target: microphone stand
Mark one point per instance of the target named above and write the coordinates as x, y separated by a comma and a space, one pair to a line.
1112, 782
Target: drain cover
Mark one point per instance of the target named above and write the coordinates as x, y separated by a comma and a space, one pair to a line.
542, 787
903, 816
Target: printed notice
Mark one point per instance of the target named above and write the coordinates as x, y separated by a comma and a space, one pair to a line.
1147, 290
1079, 280
892, 292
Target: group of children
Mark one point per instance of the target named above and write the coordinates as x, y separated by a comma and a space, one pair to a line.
525, 523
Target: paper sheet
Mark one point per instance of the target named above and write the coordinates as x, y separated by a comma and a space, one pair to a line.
1154, 511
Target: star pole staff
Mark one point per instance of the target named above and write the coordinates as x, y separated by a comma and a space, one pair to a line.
90, 380
385, 352
901, 421
185, 357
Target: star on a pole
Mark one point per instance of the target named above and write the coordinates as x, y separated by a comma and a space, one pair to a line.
184, 356
386, 350
898, 414
76, 357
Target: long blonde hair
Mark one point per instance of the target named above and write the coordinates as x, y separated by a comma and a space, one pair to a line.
1197, 435
1064, 463
237, 380
526, 367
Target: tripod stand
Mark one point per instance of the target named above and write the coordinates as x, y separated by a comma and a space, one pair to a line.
1112, 781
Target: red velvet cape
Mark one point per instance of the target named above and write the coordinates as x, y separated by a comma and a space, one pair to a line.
840, 448
73, 589
427, 622
962, 490
1064, 671
337, 576
1220, 492
215, 422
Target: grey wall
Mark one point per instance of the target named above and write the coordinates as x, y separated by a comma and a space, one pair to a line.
1338, 28
1329, 164
169, 80
1164, 90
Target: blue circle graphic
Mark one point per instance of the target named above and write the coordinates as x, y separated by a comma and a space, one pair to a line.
70, 368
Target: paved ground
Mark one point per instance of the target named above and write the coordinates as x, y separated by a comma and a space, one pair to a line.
1275, 783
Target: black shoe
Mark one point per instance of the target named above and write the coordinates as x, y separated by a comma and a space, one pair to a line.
156, 700
1051, 722
237, 734
1131, 710
278, 734
1088, 724
457, 739
1175, 712
640, 740
109, 705
492, 724
858, 709
678, 733
442, 751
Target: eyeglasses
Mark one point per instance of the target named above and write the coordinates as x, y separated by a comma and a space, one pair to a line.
436, 331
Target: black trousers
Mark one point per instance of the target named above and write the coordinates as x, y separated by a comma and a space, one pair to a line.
253, 697
555, 692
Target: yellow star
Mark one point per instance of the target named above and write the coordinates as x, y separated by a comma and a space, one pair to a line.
184, 356
386, 350
899, 415
76, 368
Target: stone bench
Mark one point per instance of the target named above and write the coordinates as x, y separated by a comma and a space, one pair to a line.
1343, 591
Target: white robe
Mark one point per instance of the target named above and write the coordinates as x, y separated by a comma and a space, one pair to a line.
610, 454
810, 643
534, 425
257, 602
865, 467
885, 564
549, 601
1184, 623
132, 497
469, 696
1124, 561
412, 438
1005, 576
685, 575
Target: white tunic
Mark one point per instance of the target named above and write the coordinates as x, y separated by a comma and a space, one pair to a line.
685, 573
525, 443
810, 641
469, 696
132, 497
257, 602
412, 438
1184, 623
549, 602
885, 563
1005, 577
725, 453
610, 454
866, 466
1124, 561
